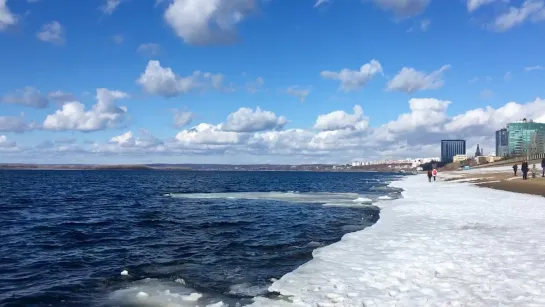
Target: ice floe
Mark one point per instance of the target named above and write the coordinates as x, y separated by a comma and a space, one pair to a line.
443, 244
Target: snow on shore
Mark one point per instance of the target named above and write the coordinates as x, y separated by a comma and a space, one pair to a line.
443, 244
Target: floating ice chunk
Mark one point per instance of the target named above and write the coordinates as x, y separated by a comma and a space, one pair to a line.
125, 273
193, 297
384, 197
218, 304
363, 200
180, 280
142, 294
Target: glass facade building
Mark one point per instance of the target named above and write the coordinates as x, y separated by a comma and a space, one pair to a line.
451, 148
502, 142
526, 138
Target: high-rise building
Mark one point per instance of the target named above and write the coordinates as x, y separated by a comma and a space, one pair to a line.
478, 152
526, 138
502, 142
451, 148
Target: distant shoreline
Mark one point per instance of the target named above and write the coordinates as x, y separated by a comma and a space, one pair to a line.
190, 167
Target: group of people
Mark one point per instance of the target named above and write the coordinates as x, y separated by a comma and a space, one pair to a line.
524, 168
432, 173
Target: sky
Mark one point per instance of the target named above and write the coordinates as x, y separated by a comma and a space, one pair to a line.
263, 81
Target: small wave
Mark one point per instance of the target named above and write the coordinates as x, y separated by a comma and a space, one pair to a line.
385, 197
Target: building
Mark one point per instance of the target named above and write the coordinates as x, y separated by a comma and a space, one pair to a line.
502, 143
478, 152
451, 148
459, 158
526, 137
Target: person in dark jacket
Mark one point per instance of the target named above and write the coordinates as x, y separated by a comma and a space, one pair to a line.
524, 169
543, 167
515, 169
429, 175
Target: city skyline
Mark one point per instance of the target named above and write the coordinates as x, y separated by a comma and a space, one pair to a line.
255, 81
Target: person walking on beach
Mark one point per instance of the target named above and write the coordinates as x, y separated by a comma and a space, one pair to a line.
434, 173
429, 176
543, 167
524, 169
515, 169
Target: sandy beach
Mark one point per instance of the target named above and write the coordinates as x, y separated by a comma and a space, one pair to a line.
500, 179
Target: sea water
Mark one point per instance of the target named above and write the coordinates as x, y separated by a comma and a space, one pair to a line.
170, 238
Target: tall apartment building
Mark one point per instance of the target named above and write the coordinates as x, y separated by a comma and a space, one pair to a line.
451, 148
526, 137
502, 142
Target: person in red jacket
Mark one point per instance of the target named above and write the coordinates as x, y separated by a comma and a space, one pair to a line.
434, 173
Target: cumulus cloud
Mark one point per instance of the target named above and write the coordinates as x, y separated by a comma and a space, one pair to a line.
530, 10
409, 80
320, 2
28, 96
402, 8
248, 120
202, 22
337, 120
7, 18
5, 143
52, 32
118, 39
104, 114
354, 79
145, 140
150, 49
209, 135
163, 81
298, 92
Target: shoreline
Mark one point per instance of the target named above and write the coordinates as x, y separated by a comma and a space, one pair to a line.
435, 246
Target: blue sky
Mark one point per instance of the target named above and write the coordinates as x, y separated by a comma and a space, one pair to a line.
426, 65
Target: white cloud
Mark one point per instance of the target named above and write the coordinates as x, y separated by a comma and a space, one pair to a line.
104, 114
163, 81
207, 134
508, 75
248, 120
28, 96
14, 124
182, 119
402, 8
409, 80
533, 10
354, 79
52, 32
532, 68
110, 6
7, 18
150, 49
298, 92
201, 22
473, 5
4, 142
145, 140
337, 120
61, 97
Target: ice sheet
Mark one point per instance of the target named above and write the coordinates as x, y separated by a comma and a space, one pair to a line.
443, 244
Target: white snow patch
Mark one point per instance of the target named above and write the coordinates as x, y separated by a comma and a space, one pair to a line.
384, 197
363, 200
441, 245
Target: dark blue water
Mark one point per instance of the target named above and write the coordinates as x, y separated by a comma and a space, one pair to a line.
67, 235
